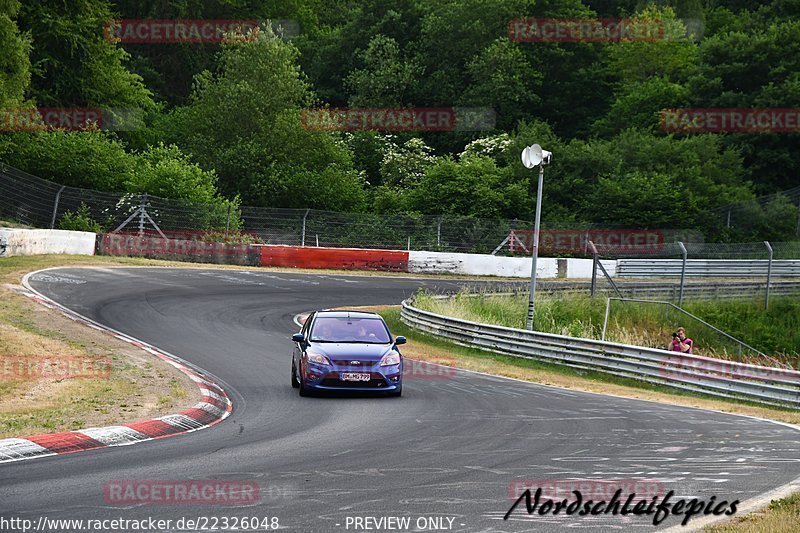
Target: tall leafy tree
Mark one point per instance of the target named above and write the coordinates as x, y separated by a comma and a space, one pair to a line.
649, 74
754, 69
245, 120
14, 61
386, 77
72, 62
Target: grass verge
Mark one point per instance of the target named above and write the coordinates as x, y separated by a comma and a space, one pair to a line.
58, 375
782, 516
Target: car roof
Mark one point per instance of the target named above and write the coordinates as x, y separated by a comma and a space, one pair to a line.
343, 313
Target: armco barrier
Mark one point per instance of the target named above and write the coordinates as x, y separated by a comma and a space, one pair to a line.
45, 241
177, 249
711, 268
729, 379
334, 258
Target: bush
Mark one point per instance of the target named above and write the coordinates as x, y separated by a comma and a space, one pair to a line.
80, 220
233, 237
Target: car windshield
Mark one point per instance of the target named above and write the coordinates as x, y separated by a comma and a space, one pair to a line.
349, 329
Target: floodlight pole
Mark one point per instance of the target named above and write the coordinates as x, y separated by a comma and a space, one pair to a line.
529, 323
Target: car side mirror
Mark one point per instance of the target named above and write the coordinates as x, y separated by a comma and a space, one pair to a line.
400, 340
298, 337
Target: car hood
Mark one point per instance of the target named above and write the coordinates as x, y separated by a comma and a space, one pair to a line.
362, 352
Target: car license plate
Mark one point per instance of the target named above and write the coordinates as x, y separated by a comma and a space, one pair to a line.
352, 376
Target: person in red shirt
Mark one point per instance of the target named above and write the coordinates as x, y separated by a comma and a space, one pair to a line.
681, 343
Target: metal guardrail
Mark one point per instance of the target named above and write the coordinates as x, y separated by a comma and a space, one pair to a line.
706, 268
709, 290
717, 377
661, 289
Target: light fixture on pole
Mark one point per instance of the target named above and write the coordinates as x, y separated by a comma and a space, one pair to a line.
534, 156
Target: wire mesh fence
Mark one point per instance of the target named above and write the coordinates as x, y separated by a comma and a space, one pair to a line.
774, 216
40, 203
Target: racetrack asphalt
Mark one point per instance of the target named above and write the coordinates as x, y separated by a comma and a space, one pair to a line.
450, 447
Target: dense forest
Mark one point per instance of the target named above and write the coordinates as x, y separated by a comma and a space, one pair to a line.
225, 120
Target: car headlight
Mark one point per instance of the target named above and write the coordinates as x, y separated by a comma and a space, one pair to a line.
317, 358
391, 358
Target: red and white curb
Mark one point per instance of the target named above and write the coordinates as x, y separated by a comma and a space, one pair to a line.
214, 406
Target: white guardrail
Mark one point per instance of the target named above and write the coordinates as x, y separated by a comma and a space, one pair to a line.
706, 268
718, 377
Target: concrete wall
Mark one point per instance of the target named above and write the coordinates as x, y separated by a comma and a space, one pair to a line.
45, 241
582, 268
479, 265
178, 249
512, 267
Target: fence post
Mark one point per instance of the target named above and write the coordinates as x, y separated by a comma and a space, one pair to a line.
769, 273
142, 212
797, 231
228, 221
55, 206
605, 319
595, 255
303, 238
729, 217
439, 232
683, 272
409, 243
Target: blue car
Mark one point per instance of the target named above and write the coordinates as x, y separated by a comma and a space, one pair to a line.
346, 350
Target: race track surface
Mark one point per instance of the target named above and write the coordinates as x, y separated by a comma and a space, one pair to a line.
450, 447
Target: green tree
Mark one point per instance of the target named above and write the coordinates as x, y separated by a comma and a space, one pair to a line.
331, 50
72, 62
473, 186
98, 160
246, 121
754, 69
167, 172
639, 199
386, 77
92, 160
14, 62
649, 74
501, 77
403, 166
639, 105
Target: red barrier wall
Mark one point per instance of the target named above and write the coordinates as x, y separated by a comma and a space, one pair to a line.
177, 249
335, 258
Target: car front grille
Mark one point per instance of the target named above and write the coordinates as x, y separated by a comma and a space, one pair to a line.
349, 363
374, 383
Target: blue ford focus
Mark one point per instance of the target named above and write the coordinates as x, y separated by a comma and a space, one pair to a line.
346, 350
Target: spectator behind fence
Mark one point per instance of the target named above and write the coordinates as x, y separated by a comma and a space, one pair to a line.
680, 342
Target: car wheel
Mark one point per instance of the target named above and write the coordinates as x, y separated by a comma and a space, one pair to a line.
304, 391
295, 381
